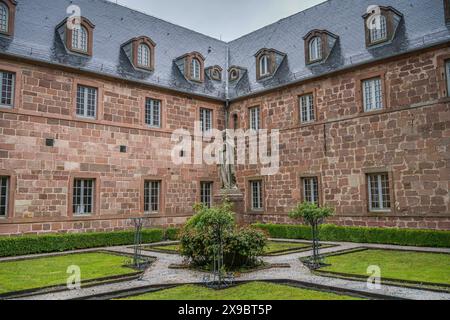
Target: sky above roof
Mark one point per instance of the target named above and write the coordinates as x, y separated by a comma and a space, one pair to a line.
225, 20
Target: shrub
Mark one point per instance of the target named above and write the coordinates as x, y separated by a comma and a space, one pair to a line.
15, 246
202, 234
172, 234
330, 232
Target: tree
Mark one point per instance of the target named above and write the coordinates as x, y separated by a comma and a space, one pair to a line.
314, 216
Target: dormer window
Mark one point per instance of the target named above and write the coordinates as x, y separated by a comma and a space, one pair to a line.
80, 39
381, 24
214, 73
7, 13
268, 62
315, 49
318, 45
264, 65
234, 74
141, 52
143, 57
195, 69
79, 36
4, 18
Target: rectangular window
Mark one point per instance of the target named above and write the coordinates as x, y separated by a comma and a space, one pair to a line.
86, 102
153, 113
372, 94
378, 29
205, 120
152, 196
83, 196
206, 193
7, 82
447, 71
256, 195
311, 190
307, 108
379, 193
4, 196
255, 118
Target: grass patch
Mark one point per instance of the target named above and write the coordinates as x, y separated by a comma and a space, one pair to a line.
421, 267
51, 271
248, 291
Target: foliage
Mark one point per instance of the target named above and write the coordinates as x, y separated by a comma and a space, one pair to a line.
16, 246
201, 237
311, 213
331, 232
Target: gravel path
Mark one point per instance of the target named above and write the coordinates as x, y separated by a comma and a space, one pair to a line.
159, 273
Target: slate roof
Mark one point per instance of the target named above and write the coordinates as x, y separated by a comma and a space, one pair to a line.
36, 38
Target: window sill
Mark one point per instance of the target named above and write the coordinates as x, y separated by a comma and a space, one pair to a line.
6, 106
85, 215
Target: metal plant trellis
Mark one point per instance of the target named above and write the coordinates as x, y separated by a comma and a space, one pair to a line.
139, 261
219, 278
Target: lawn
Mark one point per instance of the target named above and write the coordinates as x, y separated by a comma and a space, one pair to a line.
249, 291
400, 265
51, 271
273, 247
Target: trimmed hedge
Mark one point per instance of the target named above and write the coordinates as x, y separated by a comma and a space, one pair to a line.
23, 245
330, 232
172, 234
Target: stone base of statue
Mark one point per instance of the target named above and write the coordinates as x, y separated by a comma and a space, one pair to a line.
235, 196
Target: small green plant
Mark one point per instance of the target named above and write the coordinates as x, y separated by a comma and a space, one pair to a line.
213, 230
314, 216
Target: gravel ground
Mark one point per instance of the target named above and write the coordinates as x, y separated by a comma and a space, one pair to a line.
159, 273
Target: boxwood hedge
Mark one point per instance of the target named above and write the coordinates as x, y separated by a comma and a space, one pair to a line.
329, 232
23, 245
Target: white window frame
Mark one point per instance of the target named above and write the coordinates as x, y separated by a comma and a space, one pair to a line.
255, 118
256, 191
4, 14
82, 206
378, 35
149, 203
370, 88
143, 56
12, 89
264, 65
85, 102
307, 112
153, 113
206, 120
206, 189
379, 186
315, 49
195, 69
313, 190
80, 39
6, 204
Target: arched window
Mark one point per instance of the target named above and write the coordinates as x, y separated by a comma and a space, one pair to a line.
80, 39
143, 55
378, 30
4, 18
195, 69
264, 65
315, 49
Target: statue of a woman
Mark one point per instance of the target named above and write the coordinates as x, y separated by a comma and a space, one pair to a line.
227, 170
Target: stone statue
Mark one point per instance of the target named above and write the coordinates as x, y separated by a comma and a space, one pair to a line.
227, 169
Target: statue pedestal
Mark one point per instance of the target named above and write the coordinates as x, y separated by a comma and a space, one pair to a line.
236, 197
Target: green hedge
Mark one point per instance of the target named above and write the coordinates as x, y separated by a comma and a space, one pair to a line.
329, 232
172, 234
16, 246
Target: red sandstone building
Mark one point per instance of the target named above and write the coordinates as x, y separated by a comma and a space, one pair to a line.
86, 114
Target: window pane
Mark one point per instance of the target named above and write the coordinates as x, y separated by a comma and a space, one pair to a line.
4, 194
86, 102
307, 108
4, 18
83, 196
205, 119
311, 190
256, 194
7, 82
143, 58
315, 49
379, 193
153, 113
195, 66
372, 94
255, 118
206, 193
152, 192
378, 31
80, 39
